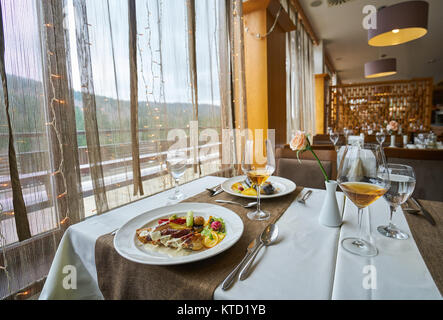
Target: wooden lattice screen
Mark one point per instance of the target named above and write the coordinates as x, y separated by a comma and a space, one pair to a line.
358, 106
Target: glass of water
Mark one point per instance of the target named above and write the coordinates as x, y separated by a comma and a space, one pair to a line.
381, 137
176, 161
402, 180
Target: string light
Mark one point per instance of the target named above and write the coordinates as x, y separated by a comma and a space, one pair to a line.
258, 35
64, 221
62, 195
25, 293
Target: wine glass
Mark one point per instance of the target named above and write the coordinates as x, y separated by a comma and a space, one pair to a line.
362, 177
347, 133
176, 161
402, 179
381, 137
258, 162
334, 136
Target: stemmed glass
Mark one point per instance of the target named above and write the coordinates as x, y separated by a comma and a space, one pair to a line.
402, 179
381, 137
334, 136
362, 177
347, 133
258, 162
176, 161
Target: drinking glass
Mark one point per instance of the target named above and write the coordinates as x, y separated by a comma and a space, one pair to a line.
381, 137
176, 161
402, 179
362, 177
347, 133
334, 136
258, 162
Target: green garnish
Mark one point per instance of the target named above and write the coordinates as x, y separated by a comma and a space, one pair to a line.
190, 219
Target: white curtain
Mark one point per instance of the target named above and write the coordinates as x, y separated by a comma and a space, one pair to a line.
300, 78
74, 100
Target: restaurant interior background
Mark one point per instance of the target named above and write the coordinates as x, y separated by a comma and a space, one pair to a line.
94, 86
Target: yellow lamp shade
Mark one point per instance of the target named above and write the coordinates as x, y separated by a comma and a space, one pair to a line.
399, 23
380, 68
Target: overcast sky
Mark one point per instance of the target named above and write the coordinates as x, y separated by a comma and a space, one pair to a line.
23, 55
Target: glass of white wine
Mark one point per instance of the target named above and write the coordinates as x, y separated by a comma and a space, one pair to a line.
402, 179
176, 161
363, 177
258, 163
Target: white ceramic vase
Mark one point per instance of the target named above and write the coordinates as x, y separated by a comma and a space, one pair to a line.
392, 140
330, 215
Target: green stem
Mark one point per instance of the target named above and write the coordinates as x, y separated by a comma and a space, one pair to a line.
318, 160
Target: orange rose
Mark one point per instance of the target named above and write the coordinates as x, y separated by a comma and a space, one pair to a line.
299, 141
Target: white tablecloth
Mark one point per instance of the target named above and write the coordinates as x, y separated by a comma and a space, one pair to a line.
307, 262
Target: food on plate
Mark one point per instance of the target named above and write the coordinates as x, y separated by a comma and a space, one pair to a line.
248, 189
188, 232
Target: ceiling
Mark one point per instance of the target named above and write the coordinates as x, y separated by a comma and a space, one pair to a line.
346, 41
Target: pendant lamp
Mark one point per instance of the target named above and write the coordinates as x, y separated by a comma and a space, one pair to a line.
400, 23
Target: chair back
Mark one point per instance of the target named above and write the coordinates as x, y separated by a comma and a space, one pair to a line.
307, 172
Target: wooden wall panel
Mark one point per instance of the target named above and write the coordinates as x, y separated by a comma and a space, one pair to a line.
409, 102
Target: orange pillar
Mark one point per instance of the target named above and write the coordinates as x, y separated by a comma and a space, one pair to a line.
256, 66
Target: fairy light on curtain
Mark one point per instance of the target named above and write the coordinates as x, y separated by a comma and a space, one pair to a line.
133, 72
151, 92
89, 108
238, 75
213, 72
40, 116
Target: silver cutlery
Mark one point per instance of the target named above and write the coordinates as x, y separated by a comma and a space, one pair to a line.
425, 212
213, 190
217, 192
268, 236
249, 205
305, 197
231, 277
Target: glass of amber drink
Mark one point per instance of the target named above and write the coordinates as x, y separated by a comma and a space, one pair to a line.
362, 177
258, 163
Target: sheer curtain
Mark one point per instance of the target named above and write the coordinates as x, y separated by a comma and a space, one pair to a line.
300, 78
95, 87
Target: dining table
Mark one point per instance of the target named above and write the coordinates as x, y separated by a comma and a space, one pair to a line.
306, 262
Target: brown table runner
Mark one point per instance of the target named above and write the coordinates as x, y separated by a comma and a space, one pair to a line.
429, 238
119, 278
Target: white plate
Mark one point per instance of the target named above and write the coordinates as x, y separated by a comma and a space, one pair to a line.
283, 186
128, 246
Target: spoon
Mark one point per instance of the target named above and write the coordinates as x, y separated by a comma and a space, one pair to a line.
249, 205
268, 236
305, 197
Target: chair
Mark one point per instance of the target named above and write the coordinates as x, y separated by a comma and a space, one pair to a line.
306, 173
428, 167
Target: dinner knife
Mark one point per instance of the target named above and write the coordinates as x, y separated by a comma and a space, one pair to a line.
426, 213
231, 277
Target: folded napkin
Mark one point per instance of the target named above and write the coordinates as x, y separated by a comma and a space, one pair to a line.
121, 279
